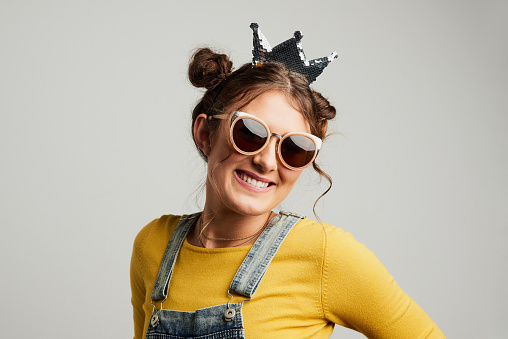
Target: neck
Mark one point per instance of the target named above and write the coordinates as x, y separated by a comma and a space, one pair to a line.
214, 227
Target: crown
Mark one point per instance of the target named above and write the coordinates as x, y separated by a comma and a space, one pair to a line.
290, 53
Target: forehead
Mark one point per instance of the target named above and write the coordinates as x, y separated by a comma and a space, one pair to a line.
274, 109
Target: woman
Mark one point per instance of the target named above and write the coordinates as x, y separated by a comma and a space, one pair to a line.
238, 269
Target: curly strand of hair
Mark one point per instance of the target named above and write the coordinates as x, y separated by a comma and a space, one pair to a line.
329, 179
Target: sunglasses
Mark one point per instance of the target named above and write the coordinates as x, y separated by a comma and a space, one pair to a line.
250, 135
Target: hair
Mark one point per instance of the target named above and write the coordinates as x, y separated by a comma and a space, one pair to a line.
227, 91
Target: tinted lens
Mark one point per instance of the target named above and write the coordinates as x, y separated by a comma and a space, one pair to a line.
297, 150
249, 135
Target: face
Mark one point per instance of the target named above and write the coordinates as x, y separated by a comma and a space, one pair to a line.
254, 184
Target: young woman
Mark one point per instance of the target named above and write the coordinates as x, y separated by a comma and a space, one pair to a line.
238, 269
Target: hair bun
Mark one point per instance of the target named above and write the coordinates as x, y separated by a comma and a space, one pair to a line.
324, 109
208, 69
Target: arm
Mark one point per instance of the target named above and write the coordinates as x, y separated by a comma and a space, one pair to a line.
138, 289
358, 292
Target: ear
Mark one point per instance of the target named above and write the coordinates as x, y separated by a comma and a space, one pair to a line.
202, 134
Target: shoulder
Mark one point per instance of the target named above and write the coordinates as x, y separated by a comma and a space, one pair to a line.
153, 238
338, 249
326, 236
321, 242
157, 227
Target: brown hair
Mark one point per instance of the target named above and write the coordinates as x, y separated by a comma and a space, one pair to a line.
227, 91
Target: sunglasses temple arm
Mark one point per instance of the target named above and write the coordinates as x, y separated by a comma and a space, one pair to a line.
218, 116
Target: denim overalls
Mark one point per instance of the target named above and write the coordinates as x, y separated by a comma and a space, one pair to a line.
221, 321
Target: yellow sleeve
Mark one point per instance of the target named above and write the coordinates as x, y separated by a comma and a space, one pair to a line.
359, 293
147, 252
138, 286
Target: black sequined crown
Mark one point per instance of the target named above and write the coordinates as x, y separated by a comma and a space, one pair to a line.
290, 53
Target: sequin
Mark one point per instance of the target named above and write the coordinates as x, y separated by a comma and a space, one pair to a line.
290, 53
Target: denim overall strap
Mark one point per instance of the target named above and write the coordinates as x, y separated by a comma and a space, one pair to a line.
160, 289
255, 264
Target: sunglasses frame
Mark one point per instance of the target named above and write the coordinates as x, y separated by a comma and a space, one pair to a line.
238, 115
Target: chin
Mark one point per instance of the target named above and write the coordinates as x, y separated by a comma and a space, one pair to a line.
251, 208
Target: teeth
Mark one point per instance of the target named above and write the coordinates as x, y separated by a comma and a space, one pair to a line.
252, 181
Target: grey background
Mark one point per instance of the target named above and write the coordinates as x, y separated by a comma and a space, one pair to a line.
95, 143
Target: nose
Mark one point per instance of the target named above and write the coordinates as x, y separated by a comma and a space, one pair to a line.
267, 158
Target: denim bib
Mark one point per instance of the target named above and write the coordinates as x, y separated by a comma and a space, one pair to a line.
221, 321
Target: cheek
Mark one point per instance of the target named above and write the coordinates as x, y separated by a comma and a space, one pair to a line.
290, 177
224, 159
219, 149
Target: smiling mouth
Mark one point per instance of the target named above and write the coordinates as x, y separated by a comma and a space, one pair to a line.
253, 182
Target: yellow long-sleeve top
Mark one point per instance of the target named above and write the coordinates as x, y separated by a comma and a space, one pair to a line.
320, 276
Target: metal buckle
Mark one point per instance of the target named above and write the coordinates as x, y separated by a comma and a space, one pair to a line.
230, 312
154, 321
292, 214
